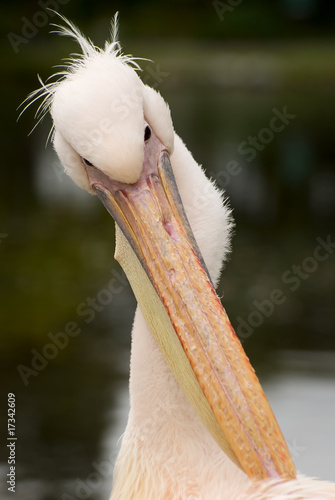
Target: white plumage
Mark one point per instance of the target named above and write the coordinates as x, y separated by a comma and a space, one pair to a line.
100, 109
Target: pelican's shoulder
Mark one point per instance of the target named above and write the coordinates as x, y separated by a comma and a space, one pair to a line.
302, 488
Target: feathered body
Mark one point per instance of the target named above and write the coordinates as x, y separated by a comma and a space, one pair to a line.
99, 104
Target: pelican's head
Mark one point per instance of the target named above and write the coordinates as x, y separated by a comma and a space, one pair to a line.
103, 115
114, 137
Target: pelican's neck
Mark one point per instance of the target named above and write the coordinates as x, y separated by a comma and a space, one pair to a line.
158, 404
159, 407
166, 452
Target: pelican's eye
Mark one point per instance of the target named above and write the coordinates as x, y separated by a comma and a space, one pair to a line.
87, 163
147, 133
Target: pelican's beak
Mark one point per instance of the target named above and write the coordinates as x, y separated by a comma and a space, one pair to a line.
151, 216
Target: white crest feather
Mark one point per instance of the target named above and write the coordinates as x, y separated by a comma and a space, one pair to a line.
72, 64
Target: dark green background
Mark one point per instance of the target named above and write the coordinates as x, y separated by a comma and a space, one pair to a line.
222, 79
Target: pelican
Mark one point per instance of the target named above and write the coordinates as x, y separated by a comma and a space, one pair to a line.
199, 426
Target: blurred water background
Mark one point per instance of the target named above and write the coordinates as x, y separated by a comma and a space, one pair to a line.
226, 73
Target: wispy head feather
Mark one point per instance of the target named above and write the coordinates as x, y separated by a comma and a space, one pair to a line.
74, 63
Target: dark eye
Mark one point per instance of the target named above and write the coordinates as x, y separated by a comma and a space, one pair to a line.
88, 163
147, 133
